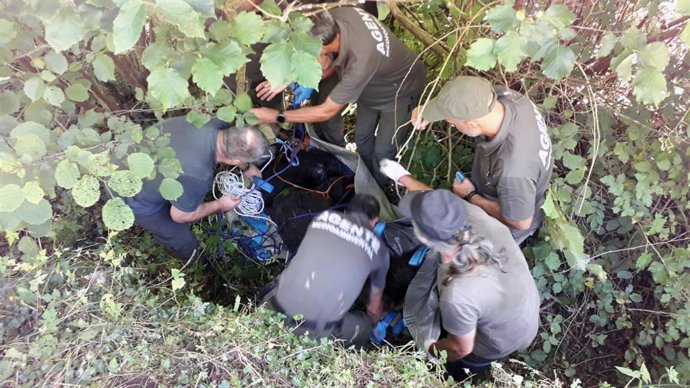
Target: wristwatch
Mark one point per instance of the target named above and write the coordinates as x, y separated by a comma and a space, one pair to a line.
280, 118
469, 196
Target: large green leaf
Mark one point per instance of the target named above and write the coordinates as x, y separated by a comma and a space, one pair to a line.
248, 28
558, 62
502, 18
30, 148
654, 55
34, 88
649, 86
226, 113
28, 127
9, 103
243, 103
228, 56
624, 69
104, 68
306, 69
64, 31
559, 16
509, 50
128, 24
125, 183
207, 75
481, 54
198, 119
183, 16
54, 96
140, 164
117, 215
305, 42
87, 191
56, 62
35, 214
8, 31
683, 7
11, 197
66, 174
77, 92
168, 87
171, 189
685, 34
606, 45
276, 63
156, 55
204, 7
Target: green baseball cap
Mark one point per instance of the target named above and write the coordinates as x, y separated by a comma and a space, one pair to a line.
463, 98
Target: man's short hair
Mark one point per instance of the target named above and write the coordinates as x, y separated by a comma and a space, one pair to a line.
325, 28
246, 145
364, 204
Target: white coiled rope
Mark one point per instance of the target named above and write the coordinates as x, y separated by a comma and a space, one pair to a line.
251, 201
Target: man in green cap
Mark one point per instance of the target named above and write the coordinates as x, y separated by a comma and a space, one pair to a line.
512, 160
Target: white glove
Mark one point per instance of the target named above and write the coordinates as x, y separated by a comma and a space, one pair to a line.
393, 169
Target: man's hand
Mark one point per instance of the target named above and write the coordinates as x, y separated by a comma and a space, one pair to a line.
418, 122
375, 312
463, 188
393, 169
265, 92
228, 202
265, 115
251, 172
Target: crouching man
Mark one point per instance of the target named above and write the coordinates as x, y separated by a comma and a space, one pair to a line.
486, 296
339, 253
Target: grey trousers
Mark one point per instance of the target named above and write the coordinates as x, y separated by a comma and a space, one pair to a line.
177, 238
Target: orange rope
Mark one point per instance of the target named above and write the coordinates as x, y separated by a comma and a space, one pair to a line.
326, 193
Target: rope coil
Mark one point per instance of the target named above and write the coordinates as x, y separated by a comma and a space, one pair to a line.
251, 201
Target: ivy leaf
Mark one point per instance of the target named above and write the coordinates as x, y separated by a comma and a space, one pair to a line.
30, 147
168, 87
104, 68
9, 103
654, 55
54, 95
156, 55
248, 28
8, 31
502, 18
683, 7
559, 16
558, 62
55, 62
606, 45
624, 69
34, 88
33, 192
276, 63
649, 86
509, 49
197, 118
86, 192
183, 16
77, 92
11, 197
207, 75
170, 189
305, 42
481, 54
35, 214
228, 56
64, 31
125, 183
226, 113
117, 215
66, 174
306, 69
128, 24
243, 103
140, 164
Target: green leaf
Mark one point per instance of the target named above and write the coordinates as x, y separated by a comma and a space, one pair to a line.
276, 63
509, 50
56, 62
171, 189
29, 127
34, 88
606, 45
77, 92
54, 95
226, 113
685, 35
33, 192
248, 28
178, 279
11, 197
204, 7
128, 24
125, 183
197, 118
306, 69
597, 270
9, 103
481, 54
624, 69
306, 43
183, 16
502, 18
649, 86
683, 7
633, 39
104, 68
87, 191
629, 372
559, 16
117, 215
35, 214
243, 103
572, 161
64, 31
654, 55
553, 262
558, 62
207, 75
168, 87
66, 174
156, 55
228, 56
30, 147
8, 31
140, 164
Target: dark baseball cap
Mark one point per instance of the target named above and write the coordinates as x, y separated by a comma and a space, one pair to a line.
463, 98
439, 214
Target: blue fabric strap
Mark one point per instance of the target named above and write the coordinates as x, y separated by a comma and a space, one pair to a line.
418, 257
